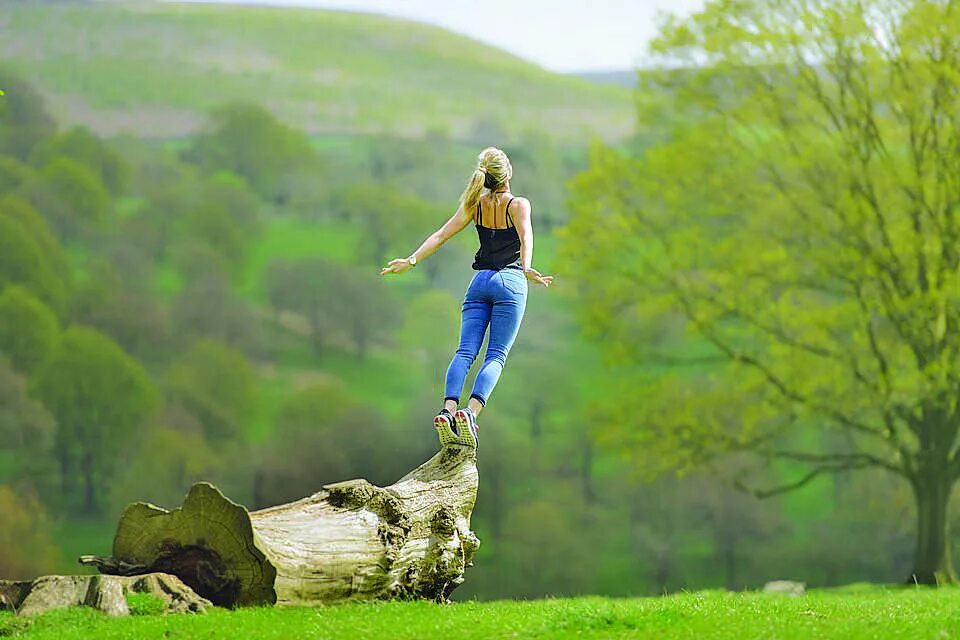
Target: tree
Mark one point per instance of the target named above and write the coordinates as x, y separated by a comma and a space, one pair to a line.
248, 140
16, 208
99, 396
24, 120
207, 307
392, 221
23, 262
13, 174
322, 433
81, 145
784, 258
163, 466
26, 546
27, 432
217, 386
28, 328
79, 190
360, 302
303, 286
117, 299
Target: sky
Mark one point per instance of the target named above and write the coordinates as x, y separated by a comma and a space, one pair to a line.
560, 35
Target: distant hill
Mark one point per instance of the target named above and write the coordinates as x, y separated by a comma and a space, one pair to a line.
625, 78
153, 69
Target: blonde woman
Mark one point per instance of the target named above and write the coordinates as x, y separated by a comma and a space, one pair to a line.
497, 294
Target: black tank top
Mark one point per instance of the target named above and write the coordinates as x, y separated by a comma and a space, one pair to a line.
499, 248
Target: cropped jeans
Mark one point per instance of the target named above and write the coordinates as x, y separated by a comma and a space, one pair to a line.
494, 298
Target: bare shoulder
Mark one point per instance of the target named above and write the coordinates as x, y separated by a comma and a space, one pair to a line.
521, 204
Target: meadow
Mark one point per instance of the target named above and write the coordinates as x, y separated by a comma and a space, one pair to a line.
866, 612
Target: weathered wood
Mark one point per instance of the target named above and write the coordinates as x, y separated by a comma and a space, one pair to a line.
351, 540
105, 593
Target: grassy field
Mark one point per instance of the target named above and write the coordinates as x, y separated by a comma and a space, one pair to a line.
868, 613
154, 69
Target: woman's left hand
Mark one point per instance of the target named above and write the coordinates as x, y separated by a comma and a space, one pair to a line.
397, 265
535, 276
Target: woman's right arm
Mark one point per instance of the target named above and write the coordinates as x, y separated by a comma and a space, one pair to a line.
434, 241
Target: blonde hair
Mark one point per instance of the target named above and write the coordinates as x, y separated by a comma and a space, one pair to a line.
493, 167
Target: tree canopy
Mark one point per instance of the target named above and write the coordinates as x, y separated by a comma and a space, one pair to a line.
99, 396
783, 260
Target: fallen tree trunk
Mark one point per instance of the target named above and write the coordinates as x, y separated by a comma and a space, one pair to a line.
351, 540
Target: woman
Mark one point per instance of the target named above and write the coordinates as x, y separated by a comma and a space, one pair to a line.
497, 295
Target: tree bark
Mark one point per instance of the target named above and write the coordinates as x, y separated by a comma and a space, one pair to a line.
933, 562
351, 540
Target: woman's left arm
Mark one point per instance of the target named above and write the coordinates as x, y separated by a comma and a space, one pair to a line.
434, 241
522, 219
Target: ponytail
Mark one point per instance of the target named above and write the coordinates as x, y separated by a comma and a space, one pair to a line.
493, 169
471, 195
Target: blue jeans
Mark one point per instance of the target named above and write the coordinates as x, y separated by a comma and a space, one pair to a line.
494, 298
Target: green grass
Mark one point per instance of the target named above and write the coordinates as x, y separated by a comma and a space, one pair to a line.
161, 66
875, 613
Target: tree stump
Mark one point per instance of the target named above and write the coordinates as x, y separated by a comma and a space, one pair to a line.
351, 540
105, 593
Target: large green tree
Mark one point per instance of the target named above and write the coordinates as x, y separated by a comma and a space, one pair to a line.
99, 396
248, 140
80, 144
783, 259
28, 328
24, 262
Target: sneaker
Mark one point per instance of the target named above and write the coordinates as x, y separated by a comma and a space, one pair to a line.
467, 427
446, 427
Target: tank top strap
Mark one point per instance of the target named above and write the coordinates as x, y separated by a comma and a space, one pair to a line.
477, 215
507, 211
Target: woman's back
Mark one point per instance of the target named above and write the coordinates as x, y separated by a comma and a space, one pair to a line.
499, 240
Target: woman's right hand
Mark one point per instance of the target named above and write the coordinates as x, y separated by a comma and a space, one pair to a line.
534, 276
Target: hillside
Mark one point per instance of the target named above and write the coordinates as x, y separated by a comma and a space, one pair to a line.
153, 69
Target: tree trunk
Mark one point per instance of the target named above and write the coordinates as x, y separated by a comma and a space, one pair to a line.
351, 540
933, 563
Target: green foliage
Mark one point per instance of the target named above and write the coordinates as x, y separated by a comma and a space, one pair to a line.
78, 189
431, 327
207, 307
23, 262
28, 328
323, 434
18, 209
217, 386
145, 604
167, 461
81, 145
24, 120
224, 217
27, 432
392, 221
26, 547
13, 174
793, 229
99, 396
248, 140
